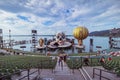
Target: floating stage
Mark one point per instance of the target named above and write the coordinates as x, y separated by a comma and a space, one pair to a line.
55, 45
60, 42
79, 47
40, 47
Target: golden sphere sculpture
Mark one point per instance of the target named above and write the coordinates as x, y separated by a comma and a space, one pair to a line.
80, 33
41, 42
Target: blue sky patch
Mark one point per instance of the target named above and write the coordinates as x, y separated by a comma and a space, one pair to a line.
48, 23
23, 17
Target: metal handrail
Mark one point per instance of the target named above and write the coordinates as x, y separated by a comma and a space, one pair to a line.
101, 70
28, 74
83, 74
87, 74
11, 74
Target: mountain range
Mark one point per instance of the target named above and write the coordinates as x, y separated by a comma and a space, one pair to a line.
114, 32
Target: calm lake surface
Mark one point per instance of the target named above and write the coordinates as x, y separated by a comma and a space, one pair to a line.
97, 41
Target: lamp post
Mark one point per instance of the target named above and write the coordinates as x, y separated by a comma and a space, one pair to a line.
10, 38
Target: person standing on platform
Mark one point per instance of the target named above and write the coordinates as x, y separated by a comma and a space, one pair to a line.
109, 58
65, 57
102, 60
60, 60
86, 61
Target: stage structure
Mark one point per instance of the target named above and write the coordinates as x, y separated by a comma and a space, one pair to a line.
114, 41
1, 38
34, 40
80, 33
91, 45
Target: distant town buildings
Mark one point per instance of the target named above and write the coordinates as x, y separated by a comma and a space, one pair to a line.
114, 42
114, 32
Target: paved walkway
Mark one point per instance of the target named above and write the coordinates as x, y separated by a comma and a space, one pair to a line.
59, 70
61, 73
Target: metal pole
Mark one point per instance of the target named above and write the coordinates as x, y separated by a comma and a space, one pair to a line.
73, 67
93, 72
38, 68
81, 61
100, 74
28, 74
10, 38
91, 62
91, 45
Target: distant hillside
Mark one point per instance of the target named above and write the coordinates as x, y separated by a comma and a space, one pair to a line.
115, 32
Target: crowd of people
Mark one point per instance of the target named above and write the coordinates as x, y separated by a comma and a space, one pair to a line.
101, 60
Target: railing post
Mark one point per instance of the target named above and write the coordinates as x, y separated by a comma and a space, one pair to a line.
93, 72
28, 74
100, 73
81, 62
73, 67
91, 62
52, 66
38, 68
41, 65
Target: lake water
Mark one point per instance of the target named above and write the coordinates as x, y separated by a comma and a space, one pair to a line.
97, 41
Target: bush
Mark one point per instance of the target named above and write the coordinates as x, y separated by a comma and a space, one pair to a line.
14, 64
74, 63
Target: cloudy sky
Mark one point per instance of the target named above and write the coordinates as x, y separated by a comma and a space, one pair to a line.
52, 16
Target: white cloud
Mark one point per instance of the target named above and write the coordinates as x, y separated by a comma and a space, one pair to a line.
78, 11
112, 11
64, 15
